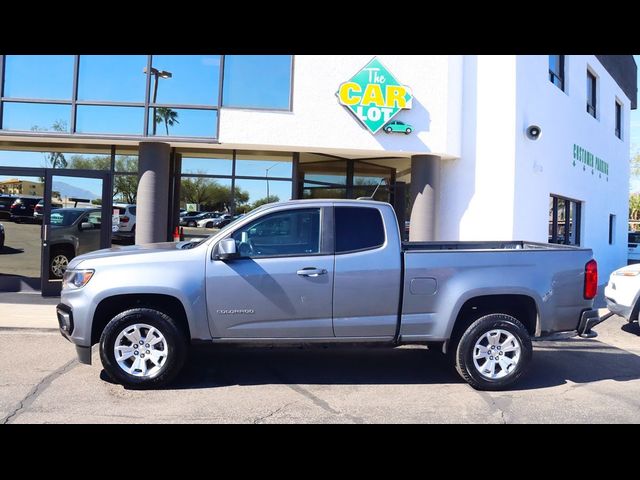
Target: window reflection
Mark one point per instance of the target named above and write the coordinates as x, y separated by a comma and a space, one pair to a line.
36, 117
39, 76
194, 79
115, 78
251, 194
180, 122
110, 120
257, 81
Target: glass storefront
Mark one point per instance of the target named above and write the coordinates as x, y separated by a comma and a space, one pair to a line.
172, 96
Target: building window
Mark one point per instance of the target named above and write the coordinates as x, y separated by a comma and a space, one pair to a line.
591, 94
565, 217
618, 120
556, 70
257, 81
612, 229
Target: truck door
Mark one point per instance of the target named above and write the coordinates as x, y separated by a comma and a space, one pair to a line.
367, 278
282, 284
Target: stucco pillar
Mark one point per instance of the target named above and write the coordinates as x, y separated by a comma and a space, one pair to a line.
153, 192
425, 174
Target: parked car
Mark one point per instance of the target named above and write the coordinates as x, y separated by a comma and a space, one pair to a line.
208, 222
192, 220
622, 292
634, 247
74, 231
5, 205
1, 236
38, 211
398, 126
329, 271
223, 221
126, 221
23, 207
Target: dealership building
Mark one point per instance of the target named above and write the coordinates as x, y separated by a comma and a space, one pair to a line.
465, 147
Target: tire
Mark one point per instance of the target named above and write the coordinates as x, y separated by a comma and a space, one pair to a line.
504, 329
191, 224
407, 131
59, 260
209, 225
173, 345
388, 129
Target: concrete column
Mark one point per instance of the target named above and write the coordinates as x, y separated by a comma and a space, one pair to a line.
153, 192
425, 174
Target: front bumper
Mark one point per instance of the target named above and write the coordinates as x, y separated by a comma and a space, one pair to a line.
65, 322
618, 309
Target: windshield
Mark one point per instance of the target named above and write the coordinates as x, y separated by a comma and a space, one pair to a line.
63, 218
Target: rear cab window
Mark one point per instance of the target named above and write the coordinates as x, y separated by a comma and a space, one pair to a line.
357, 229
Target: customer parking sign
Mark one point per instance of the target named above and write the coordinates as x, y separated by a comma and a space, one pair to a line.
374, 95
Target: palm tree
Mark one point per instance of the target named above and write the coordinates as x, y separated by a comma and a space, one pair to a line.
168, 116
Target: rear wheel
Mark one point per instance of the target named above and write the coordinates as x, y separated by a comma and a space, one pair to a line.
209, 225
143, 348
493, 352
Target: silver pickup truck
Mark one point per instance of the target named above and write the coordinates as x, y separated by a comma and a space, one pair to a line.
325, 271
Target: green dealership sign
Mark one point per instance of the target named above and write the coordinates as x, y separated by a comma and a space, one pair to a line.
590, 161
374, 95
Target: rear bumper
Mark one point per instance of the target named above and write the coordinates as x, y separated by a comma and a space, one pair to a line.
588, 320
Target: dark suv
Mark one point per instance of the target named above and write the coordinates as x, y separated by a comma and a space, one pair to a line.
23, 208
5, 205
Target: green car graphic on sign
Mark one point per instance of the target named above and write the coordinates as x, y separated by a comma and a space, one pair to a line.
398, 126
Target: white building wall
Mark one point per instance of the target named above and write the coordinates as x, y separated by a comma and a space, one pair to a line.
319, 123
476, 195
545, 167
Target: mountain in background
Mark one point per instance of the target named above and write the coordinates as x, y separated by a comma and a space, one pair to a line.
67, 190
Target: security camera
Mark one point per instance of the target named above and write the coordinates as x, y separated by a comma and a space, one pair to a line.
533, 132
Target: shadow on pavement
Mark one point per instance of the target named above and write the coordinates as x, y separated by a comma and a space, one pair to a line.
18, 283
10, 251
631, 328
577, 361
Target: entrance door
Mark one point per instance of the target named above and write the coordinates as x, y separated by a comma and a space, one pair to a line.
76, 220
20, 238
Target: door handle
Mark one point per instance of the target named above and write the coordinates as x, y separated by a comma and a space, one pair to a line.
311, 272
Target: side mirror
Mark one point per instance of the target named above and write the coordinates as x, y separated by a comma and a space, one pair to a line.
226, 249
86, 226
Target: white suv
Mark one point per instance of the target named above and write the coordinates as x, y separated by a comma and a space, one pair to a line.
126, 221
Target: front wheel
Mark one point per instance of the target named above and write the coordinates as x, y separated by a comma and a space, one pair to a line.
493, 352
407, 131
143, 348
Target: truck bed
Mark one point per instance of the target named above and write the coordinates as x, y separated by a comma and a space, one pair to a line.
484, 245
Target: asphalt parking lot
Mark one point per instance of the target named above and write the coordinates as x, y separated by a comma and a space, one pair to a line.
571, 381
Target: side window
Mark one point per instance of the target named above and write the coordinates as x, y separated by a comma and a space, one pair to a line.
358, 228
293, 232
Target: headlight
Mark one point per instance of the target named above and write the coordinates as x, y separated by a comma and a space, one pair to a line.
74, 279
627, 273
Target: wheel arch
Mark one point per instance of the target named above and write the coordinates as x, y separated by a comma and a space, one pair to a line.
111, 306
519, 305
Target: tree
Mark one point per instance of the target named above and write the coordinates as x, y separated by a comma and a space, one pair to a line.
634, 206
635, 165
125, 187
265, 200
166, 115
54, 159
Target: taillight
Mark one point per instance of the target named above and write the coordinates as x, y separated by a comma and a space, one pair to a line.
124, 219
590, 279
